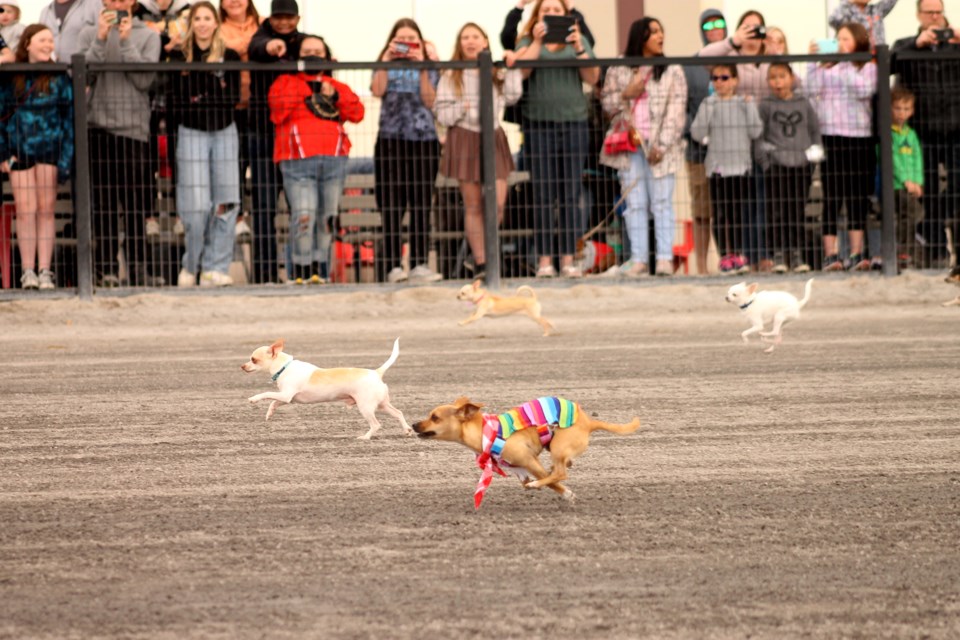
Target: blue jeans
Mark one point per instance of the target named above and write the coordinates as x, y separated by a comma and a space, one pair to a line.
557, 153
208, 178
649, 196
313, 186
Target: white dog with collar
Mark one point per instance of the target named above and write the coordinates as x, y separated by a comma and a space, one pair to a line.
762, 307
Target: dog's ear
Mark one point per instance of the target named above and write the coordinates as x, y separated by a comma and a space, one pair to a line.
467, 411
752, 287
276, 348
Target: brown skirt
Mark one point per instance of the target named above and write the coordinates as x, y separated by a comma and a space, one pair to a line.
461, 155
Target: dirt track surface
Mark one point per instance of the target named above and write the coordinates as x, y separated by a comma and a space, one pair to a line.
813, 493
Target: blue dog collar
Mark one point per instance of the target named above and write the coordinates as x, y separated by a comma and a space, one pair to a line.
279, 373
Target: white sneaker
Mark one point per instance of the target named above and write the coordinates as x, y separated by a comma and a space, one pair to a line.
423, 273
396, 274
153, 229
215, 279
46, 280
243, 232
186, 279
29, 280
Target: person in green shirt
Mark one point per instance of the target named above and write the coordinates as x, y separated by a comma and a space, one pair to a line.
907, 174
556, 113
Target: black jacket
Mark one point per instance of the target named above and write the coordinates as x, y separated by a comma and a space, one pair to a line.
936, 83
204, 100
261, 81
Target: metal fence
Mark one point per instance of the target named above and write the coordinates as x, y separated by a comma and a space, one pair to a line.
183, 184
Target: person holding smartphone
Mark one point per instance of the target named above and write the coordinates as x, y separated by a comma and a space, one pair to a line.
119, 117
407, 152
556, 111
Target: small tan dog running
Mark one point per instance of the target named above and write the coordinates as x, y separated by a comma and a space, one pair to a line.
301, 382
492, 305
514, 440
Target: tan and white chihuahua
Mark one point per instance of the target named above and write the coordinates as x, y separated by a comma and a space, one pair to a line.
762, 307
488, 304
301, 382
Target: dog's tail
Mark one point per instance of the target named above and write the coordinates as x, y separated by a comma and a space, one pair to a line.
619, 429
393, 358
806, 293
527, 290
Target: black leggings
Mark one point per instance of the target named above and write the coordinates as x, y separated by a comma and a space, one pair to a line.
728, 197
787, 189
848, 173
405, 173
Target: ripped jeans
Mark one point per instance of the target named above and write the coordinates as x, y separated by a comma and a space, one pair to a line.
208, 196
313, 186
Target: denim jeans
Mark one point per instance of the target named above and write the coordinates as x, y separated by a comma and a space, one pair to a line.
557, 153
313, 186
649, 196
208, 177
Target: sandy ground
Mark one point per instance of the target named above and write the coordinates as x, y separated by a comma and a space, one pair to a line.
812, 493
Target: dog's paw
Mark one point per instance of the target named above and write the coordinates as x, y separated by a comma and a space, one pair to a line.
365, 436
568, 496
253, 399
409, 432
769, 349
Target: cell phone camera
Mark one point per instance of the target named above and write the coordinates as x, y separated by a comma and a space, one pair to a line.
401, 48
759, 32
943, 35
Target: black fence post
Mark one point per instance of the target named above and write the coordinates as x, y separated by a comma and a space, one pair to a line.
81, 180
888, 237
488, 172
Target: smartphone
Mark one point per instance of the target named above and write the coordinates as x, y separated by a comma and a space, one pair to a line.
121, 14
828, 45
405, 47
558, 28
759, 32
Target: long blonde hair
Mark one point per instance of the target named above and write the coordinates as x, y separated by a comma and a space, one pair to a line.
535, 18
217, 46
456, 75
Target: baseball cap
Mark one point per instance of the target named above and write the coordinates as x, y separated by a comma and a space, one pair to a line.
284, 8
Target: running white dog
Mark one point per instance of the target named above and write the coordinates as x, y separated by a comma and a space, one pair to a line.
762, 307
299, 381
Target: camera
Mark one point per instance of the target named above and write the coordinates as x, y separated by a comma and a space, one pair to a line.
759, 32
943, 35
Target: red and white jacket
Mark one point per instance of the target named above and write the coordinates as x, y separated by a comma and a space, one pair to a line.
298, 133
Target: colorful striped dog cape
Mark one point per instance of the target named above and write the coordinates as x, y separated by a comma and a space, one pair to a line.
546, 414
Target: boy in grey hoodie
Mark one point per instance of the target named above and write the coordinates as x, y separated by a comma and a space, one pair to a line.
119, 116
726, 124
791, 133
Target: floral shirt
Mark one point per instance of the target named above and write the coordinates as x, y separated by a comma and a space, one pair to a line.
870, 17
403, 116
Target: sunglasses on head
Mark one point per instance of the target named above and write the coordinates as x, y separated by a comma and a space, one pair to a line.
724, 78
719, 23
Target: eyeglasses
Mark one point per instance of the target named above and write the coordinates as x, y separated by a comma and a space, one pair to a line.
718, 78
719, 23
931, 13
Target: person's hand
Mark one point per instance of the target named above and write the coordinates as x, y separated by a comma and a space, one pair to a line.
326, 89
105, 23
431, 51
574, 38
509, 58
926, 39
742, 34
913, 188
637, 84
156, 26
523, 3
4, 167
175, 41
416, 53
539, 30
124, 27
655, 155
814, 48
277, 48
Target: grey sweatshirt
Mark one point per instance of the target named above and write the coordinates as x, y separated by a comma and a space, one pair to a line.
729, 126
790, 127
119, 102
82, 14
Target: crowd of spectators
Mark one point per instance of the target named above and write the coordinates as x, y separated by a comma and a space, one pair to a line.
750, 138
